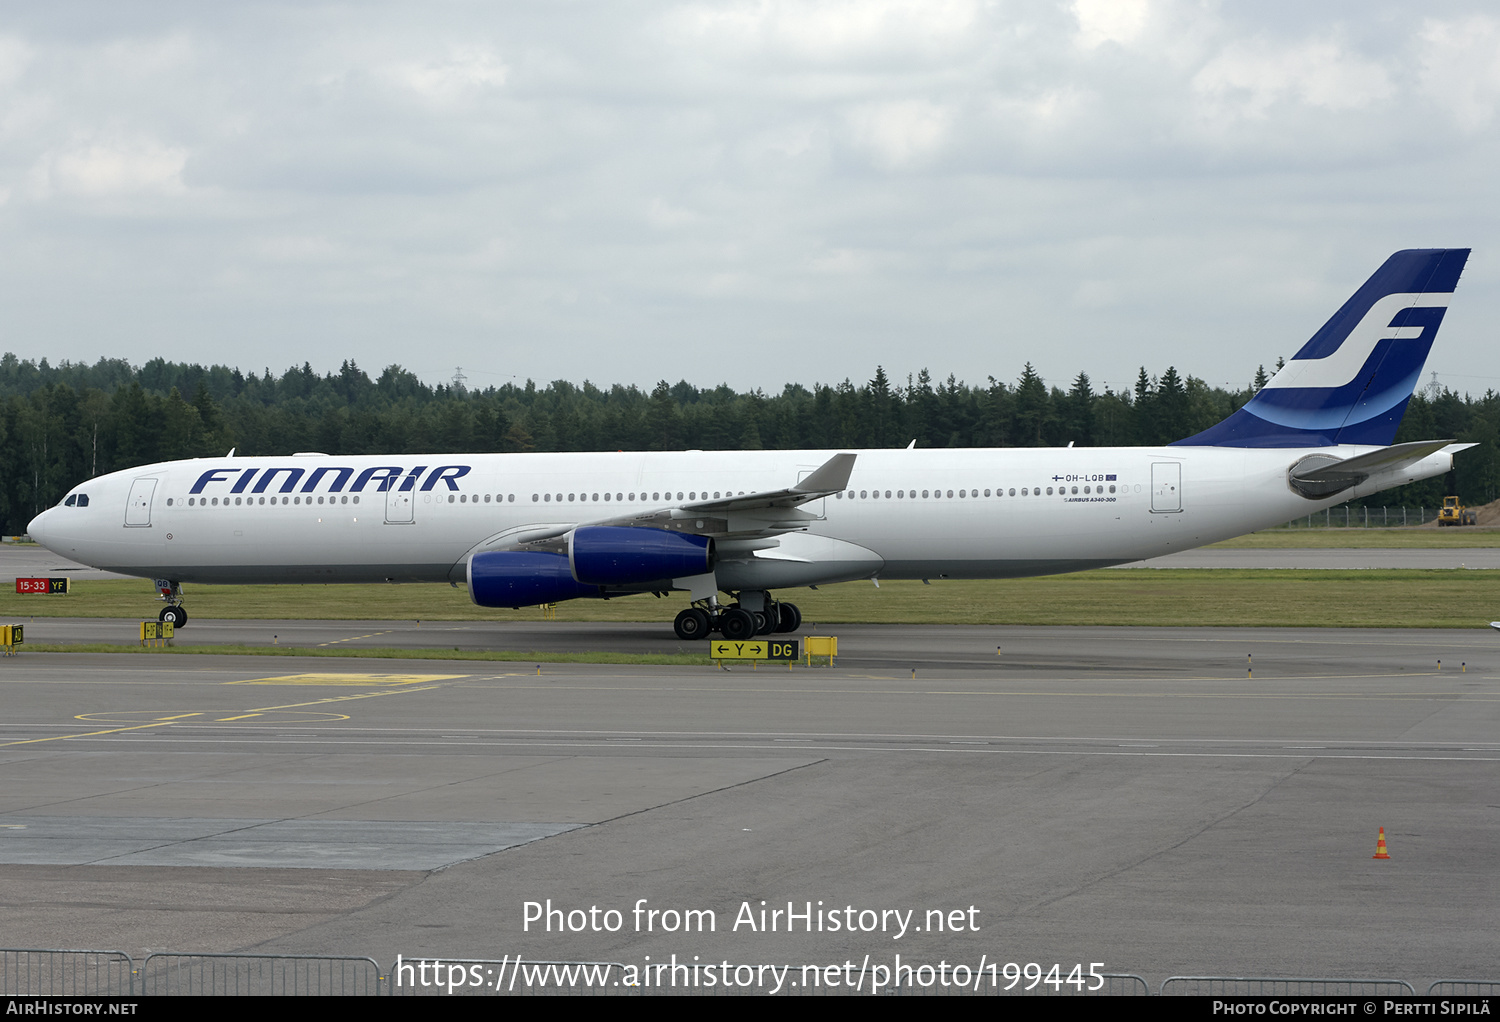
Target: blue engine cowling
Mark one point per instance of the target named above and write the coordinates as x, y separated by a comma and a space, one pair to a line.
513, 578
609, 555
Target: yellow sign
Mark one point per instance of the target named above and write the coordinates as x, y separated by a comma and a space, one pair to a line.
822, 645
156, 633
761, 649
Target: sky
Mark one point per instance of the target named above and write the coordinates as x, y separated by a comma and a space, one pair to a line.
751, 193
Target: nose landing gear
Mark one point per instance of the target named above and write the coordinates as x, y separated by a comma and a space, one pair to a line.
173, 613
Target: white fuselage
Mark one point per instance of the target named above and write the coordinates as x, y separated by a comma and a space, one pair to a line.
966, 513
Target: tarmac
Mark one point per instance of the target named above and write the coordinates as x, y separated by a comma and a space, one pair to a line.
1161, 801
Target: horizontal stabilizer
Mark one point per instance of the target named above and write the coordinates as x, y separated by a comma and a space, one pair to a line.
1322, 475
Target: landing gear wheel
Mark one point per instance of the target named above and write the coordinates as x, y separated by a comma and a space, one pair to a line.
791, 617
737, 625
174, 616
765, 621
691, 624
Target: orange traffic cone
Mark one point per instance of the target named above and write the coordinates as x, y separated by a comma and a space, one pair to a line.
1380, 852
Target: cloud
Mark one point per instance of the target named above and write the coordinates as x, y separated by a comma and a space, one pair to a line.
1248, 78
1460, 68
830, 30
1110, 21
110, 169
465, 71
824, 183
901, 134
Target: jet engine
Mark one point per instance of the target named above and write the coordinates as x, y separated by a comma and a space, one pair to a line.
515, 578
610, 555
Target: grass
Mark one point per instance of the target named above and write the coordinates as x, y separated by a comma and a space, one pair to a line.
1179, 597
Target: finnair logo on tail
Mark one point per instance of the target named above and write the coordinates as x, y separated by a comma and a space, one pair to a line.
1398, 317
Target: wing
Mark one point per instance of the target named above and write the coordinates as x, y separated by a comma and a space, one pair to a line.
735, 522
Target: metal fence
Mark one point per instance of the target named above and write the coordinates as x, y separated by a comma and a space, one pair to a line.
42, 972
1272, 986
209, 975
1464, 988
55, 972
1346, 517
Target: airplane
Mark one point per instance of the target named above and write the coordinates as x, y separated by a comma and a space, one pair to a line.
528, 529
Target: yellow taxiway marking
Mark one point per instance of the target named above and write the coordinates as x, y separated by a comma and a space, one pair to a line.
127, 716
348, 679
351, 638
87, 734
344, 699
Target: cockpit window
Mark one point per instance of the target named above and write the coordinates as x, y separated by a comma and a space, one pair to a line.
71, 501
83, 500
77, 500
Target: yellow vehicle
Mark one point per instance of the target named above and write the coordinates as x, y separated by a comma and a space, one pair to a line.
1454, 513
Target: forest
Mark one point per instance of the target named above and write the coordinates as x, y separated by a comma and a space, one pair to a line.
63, 423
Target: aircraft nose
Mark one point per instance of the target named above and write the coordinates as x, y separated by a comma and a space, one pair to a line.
37, 530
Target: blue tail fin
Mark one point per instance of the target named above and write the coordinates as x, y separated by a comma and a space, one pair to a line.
1351, 383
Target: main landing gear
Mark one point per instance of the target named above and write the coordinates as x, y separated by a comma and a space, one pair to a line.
752, 614
173, 613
